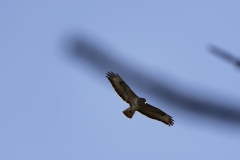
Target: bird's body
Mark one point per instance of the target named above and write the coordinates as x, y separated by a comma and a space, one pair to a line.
136, 103
133, 106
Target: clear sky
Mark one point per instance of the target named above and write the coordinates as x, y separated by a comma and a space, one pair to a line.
55, 108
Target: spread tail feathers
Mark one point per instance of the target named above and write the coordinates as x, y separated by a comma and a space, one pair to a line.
128, 113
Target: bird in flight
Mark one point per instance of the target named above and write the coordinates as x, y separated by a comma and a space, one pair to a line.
136, 103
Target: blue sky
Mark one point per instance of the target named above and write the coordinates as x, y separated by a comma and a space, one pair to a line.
54, 108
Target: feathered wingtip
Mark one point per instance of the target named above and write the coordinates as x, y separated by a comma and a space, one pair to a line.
170, 122
111, 75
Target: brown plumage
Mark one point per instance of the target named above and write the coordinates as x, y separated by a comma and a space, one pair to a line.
136, 103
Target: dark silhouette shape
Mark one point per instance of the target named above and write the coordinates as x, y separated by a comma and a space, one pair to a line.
211, 110
225, 55
136, 103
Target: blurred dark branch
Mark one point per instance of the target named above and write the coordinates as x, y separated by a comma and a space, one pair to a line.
84, 50
225, 55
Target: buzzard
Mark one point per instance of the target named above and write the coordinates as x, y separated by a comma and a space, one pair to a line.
136, 103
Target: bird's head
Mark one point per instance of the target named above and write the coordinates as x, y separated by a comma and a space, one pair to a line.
141, 101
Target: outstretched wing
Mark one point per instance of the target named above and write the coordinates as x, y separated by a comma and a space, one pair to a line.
122, 89
155, 113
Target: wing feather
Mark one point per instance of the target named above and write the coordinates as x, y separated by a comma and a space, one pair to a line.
155, 113
122, 89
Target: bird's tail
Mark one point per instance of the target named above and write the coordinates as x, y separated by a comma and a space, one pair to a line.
128, 113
